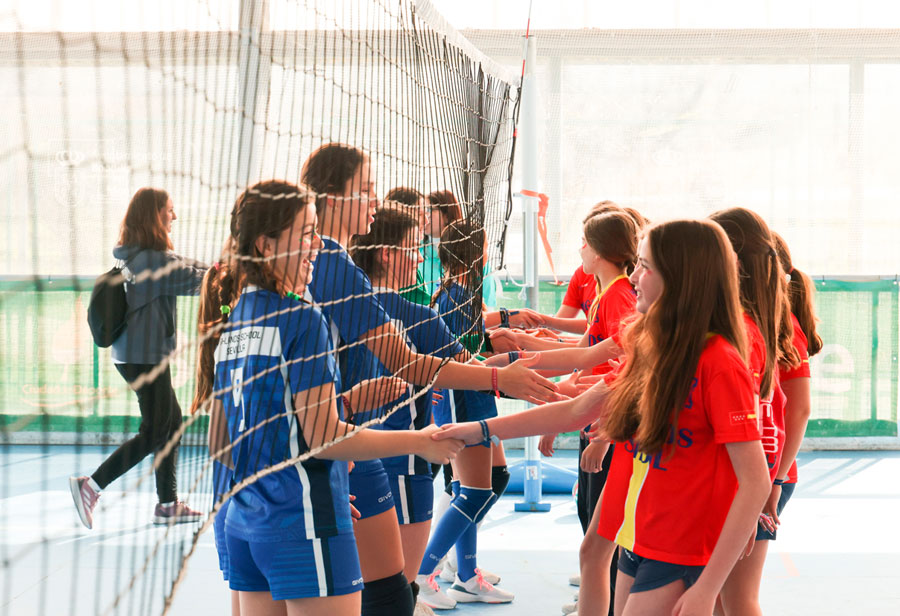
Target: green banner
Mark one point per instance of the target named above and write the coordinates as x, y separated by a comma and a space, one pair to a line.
52, 377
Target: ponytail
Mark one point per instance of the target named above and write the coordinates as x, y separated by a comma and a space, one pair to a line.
218, 294
800, 292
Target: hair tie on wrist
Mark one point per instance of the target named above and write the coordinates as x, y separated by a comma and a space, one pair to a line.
225, 309
512, 356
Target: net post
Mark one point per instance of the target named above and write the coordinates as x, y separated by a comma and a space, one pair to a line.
529, 147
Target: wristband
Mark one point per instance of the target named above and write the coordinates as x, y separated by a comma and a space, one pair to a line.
512, 356
495, 381
778, 482
504, 318
486, 433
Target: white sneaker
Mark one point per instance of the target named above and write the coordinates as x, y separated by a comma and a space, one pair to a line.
448, 569
575, 580
570, 608
422, 610
431, 594
478, 589
448, 573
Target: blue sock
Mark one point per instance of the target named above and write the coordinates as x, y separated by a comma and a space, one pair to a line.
449, 528
466, 549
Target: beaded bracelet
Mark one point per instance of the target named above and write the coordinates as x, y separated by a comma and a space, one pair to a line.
495, 378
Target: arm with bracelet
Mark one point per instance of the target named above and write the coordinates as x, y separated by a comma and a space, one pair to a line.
564, 416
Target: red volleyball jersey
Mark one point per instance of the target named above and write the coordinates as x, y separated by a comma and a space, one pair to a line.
801, 343
581, 291
671, 506
616, 304
771, 407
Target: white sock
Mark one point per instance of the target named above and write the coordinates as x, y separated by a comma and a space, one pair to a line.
440, 507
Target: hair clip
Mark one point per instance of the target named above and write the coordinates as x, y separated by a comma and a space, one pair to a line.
225, 309
293, 296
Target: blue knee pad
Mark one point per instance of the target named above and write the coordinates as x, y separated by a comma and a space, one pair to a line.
474, 503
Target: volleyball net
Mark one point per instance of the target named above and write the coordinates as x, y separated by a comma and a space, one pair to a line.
201, 99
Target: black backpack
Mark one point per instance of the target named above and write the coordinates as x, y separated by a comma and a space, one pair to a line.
108, 308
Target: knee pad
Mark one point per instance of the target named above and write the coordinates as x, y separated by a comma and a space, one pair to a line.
390, 596
499, 480
474, 503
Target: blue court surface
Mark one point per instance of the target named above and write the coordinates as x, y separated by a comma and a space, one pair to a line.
838, 550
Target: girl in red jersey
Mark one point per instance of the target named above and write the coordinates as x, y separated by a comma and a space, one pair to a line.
688, 477
795, 381
608, 255
767, 319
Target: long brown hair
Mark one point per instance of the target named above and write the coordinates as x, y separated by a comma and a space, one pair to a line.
700, 295
800, 294
265, 209
763, 288
614, 236
143, 222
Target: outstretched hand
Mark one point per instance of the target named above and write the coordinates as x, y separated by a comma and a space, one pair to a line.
439, 450
370, 394
519, 381
525, 318
468, 432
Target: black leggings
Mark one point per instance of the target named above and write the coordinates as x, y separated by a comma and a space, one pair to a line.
160, 418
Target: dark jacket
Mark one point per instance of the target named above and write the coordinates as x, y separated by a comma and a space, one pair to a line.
150, 333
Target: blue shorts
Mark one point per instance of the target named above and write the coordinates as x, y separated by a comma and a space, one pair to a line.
413, 497
457, 406
295, 569
650, 574
369, 484
787, 490
219, 535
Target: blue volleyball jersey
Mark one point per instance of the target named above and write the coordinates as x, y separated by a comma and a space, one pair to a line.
457, 307
343, 293
271, 350
425, 333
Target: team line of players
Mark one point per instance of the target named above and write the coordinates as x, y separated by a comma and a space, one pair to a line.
690, 362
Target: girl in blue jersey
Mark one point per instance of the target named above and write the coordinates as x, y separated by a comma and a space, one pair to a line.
461, 252
388, 254
288, 530
346, 203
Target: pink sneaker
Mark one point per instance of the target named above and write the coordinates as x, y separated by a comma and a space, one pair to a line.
176, 513
85, 498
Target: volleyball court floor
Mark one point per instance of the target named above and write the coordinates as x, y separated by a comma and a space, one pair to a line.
838, 550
